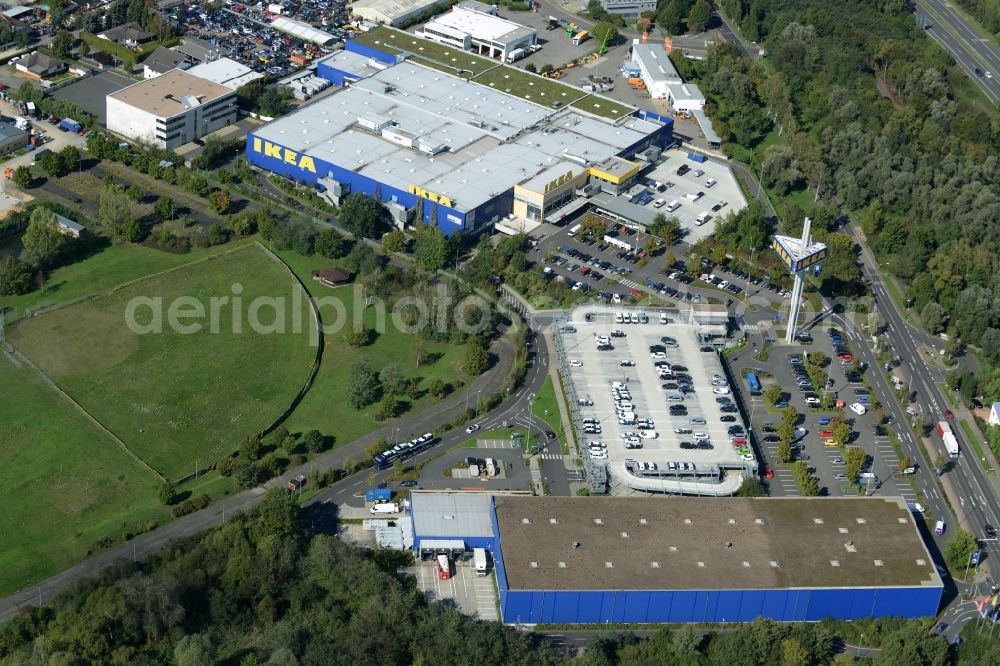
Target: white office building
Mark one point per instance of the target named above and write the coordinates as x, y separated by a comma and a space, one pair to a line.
171, 110
662, 80
226, 72
481, 33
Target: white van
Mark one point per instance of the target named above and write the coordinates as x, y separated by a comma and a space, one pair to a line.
673, 205
479, 560
693, 196
939, 527
385, 507
858, 409
663, 318
702, 219
711, 182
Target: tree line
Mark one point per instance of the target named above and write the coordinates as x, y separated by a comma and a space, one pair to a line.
272, 587
856, 109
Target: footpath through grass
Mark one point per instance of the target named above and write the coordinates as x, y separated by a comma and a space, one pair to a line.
64, 485
178, 399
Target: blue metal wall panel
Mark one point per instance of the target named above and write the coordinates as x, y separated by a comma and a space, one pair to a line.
802, 600
642, 606
590, 606
751, 604
517, 608
682, 605
607, 606
566, 605
370, 52
632, 606
861, 604
307, 170
337, 77
470, 542
729, 605
498, 564
773, 603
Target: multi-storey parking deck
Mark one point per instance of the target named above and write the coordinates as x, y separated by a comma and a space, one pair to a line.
652, 401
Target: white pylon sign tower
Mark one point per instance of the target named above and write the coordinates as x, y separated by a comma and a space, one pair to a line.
798, 255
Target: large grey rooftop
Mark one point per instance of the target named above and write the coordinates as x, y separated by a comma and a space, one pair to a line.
495, 140
656, 61
682, 543
451, 514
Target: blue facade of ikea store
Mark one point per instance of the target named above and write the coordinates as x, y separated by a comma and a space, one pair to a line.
660, 606
308, 170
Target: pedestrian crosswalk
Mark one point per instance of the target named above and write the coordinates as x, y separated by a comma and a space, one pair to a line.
551, 456
751, 328
632, 284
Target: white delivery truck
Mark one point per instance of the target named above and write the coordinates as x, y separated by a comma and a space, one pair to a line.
385, 507
574, 229
479, 561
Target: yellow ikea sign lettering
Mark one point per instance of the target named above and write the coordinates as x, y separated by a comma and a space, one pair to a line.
561, 180
268, 149
431, 196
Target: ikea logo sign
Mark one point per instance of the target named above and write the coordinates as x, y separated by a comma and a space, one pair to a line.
268, 149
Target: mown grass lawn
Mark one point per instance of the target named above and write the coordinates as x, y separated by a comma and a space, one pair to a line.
546, 408
178, 399
64, 485
105, 270
325, 406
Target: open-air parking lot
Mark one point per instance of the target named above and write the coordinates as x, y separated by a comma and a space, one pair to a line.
652, 400
604, 270
702, 192
472, 594
785, 367
91, 92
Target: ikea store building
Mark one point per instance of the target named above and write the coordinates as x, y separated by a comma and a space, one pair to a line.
453, 152
569, 560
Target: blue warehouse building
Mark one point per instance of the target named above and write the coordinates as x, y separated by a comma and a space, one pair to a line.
437, 147
654, 560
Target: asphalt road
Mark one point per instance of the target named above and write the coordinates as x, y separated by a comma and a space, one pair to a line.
978, 501
970, 48
747, 49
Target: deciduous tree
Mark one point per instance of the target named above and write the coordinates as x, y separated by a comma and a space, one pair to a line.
699, 16
477, 359
15, 276
42, 239
364, 388
361, 214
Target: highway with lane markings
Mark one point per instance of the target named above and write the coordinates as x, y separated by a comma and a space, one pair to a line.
973, 51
